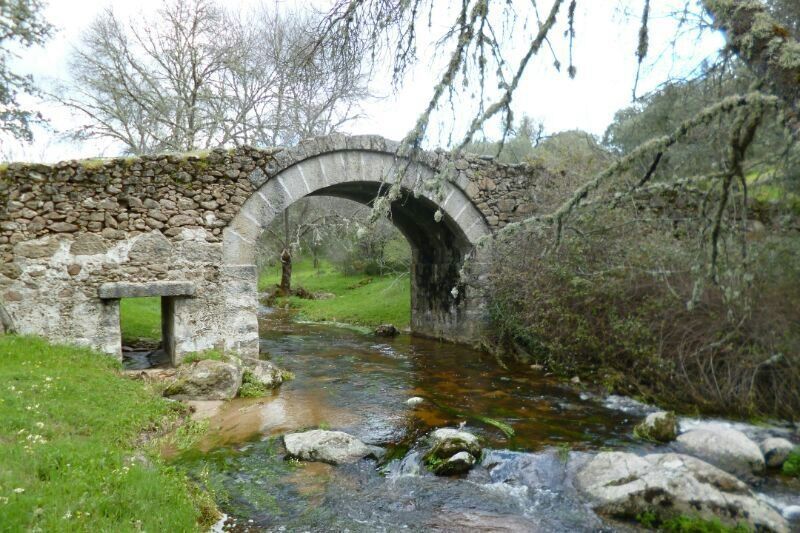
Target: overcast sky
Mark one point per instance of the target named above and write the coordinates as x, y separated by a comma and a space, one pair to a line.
607, 34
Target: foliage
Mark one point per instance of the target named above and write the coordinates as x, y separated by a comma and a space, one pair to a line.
611, 303
792, 465
359, 299
67, 431
140, 319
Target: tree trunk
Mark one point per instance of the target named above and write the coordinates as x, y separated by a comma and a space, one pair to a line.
765, 45
286, 272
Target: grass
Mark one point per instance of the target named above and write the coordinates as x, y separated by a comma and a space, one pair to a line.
360, 299
66, 438
140, 318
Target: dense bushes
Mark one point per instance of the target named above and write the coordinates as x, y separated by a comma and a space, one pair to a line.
619, 302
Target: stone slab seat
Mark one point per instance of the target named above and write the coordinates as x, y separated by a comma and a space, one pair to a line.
124, 289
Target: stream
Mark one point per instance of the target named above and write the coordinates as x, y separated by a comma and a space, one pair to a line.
537, 431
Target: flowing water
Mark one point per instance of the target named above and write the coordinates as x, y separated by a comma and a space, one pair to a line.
536, 431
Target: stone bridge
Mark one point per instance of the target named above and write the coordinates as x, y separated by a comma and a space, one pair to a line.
77, 236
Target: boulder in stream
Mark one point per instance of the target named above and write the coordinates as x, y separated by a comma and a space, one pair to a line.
265, 374
332, 447
776, 451
205, 380
726, 448
659, 427
624, 485
386, 330
451, 451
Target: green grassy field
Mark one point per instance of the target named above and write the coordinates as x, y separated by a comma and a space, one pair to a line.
68, 424
140, 318
360, 299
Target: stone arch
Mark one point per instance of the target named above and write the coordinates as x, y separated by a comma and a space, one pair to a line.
356, 168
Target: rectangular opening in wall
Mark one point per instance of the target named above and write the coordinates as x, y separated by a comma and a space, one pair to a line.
146, 327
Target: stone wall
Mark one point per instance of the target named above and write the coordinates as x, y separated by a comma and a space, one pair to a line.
68, 228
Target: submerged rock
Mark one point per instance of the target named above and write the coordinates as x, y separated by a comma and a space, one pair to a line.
729, 449
451, 451
660, 427
332, 447
414, 401
205, 380
386, 330
776, 451
624, 485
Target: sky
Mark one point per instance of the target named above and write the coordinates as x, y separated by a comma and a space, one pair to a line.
604, 54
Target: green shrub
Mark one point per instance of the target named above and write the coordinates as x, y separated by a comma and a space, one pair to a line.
610, 304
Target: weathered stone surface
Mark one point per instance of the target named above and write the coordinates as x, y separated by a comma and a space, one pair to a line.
205, 380
37, 249
10, 270
88, 244
153, 247
776, 451
625, 485
64, 227
124, 289
660, 427
728, 449
333, 447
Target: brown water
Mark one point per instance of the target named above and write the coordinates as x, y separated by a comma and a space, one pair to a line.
351, 381
536, 431
354, 382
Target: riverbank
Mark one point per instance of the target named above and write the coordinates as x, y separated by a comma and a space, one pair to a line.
68, 455
358, 299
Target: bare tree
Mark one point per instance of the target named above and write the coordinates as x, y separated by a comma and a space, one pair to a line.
195, 76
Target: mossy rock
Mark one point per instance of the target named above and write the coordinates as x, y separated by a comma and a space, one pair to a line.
658, 427
449, 449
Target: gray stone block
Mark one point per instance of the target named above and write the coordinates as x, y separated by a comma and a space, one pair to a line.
124, 289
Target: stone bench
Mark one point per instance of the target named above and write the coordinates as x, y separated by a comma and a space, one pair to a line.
125, 289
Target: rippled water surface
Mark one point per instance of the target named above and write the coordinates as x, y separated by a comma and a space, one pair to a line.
351, 381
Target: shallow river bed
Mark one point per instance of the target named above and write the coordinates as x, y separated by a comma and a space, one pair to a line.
537, 432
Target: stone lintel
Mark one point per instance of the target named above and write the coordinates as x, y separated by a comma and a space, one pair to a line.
125, 289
